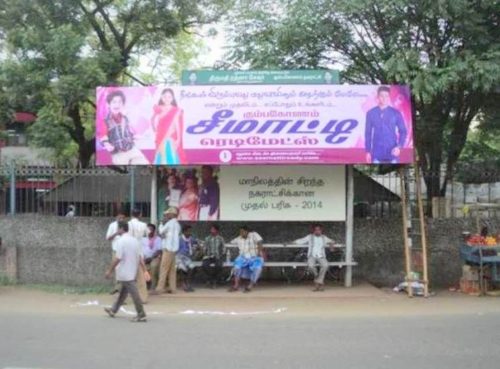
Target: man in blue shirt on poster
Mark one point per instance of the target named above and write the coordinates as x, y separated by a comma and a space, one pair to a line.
385, 131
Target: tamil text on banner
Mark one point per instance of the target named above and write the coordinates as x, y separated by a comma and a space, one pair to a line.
254, 124
284, 193
253, 193
260, 77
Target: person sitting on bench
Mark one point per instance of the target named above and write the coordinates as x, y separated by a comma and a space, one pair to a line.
184, 257
213, 252
249, 263
316, 242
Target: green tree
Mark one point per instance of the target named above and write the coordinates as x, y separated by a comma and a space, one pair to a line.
448, 51
479, 161
60, 50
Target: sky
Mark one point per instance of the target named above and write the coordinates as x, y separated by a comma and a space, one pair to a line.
215, 45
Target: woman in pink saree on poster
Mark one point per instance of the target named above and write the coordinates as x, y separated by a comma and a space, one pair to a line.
167, 123
188, 203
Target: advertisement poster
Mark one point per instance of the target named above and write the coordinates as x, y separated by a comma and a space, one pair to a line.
194, 191
251, 193
254, 124
283, 193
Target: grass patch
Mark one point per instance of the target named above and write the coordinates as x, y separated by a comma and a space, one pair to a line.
6, 281
68, 290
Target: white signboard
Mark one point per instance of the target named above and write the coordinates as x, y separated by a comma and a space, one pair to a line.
283, 193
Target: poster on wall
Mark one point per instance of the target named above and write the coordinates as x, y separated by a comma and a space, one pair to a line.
283, 193
254, 124
251, 193
194, 191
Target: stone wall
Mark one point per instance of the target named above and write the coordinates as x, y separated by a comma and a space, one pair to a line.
73, 251
50, 249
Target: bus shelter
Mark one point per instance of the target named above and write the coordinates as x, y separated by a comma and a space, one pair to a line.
280, 152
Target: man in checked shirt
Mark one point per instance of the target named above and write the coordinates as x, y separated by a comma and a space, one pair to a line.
213, 254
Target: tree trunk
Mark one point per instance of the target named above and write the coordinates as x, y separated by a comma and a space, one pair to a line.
432, 178
429, 140
85, 152
86, 147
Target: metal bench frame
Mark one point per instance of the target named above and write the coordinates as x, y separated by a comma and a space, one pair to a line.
288, 264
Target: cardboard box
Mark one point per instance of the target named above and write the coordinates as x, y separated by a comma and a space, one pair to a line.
472, 287
470, 273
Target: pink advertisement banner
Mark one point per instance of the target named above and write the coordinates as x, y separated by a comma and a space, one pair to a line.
259, 124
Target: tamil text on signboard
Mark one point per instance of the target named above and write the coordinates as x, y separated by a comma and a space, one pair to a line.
254, 124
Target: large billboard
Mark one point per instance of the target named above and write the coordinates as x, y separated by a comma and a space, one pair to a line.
255, 193
254, 124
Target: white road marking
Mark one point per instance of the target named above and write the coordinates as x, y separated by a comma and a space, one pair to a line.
232, 313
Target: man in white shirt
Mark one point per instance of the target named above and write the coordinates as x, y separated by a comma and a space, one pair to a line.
113, 236
71, 211
250, 260
169, 231
316, 242
139, 230
151, 251
128, 262
112, 233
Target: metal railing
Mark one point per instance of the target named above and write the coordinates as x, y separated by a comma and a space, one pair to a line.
103, 191
70, 191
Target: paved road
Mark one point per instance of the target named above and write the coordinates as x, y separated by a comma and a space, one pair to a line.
271, 341
361, 328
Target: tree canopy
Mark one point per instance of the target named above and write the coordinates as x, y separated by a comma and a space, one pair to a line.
448, 51
58, 51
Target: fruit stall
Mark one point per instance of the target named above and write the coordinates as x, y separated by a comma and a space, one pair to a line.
481, 256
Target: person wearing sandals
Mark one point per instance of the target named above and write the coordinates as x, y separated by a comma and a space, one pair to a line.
316, 243
169, 231
213, 251
249, 263
184, 257
127, 262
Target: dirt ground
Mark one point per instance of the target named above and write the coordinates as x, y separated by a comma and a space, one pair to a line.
361, 300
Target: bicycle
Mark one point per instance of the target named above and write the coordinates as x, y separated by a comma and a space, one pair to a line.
303, 273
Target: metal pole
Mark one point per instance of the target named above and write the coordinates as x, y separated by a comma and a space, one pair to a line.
12, 188
406, 224
423, 232
349, 226
132, 189
154, 196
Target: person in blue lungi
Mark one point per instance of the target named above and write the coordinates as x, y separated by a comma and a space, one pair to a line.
249, 263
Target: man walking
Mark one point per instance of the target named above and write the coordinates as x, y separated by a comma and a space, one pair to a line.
316, 242
112, 235
139, 230
169, 231
127, 262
